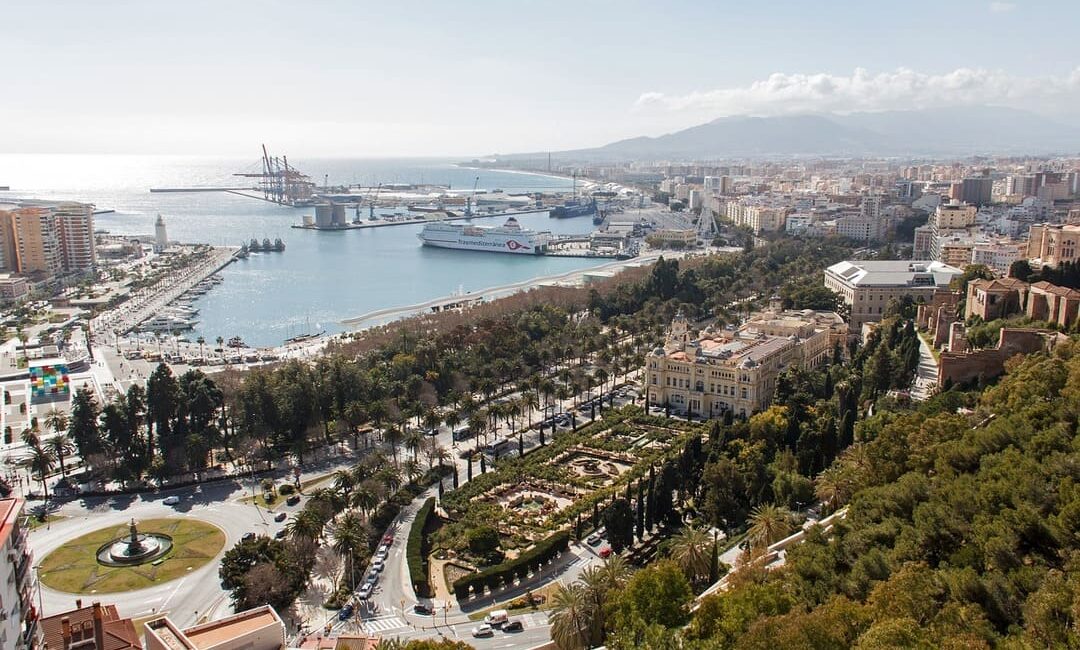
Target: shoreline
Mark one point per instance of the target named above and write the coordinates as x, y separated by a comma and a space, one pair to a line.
361, 322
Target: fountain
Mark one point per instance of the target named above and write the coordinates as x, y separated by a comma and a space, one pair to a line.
135, 548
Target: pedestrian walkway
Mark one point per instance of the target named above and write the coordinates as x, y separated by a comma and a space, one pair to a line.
926, 374
383, 624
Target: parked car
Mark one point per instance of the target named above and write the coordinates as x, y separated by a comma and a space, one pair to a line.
365, 591
279, 517
372, 578
248, 536
281, 534
513, 626
293, 500
484, 630
422, 609
383, 551
388, 539
345, 612
171, 501
605, 552
378, 565
594, 540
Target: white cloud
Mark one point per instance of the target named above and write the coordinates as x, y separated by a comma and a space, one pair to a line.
1002, 7
783, 93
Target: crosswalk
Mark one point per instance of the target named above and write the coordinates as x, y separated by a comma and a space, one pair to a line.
383, 624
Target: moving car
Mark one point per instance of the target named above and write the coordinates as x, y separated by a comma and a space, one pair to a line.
345, 612
171, 501
281, 534
513, 626
497, 617
293, 500
484, 630
248, 536
422, 609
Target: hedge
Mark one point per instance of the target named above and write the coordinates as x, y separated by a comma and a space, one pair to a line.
530, 561
414, 550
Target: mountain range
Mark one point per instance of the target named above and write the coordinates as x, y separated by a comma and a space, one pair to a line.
931, 132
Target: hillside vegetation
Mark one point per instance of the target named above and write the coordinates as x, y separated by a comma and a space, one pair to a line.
963, 531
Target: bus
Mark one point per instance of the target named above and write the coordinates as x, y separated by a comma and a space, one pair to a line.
497, 448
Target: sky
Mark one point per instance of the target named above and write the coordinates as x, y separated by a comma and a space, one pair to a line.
475, 77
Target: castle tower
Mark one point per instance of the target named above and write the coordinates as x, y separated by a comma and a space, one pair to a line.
161, 237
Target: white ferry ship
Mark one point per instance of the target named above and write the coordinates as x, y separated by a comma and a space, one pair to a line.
507, 238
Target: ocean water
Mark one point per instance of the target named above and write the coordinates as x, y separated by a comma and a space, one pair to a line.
322, 277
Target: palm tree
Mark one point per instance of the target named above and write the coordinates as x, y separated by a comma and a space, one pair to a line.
413, 440
365, 497
571, 617
768, 523
56, 420
60, 446
691, 549
40, 461
392, 436
833, 487
220, 342
202, 342
344, 481
349, 537
411, 470
306, 525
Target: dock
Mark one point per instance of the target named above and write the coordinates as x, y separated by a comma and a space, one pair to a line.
198, 189
408, 221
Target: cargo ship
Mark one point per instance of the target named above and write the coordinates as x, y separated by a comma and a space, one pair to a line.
507, 238
574, 208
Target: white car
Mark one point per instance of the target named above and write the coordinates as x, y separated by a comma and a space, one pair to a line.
383, 551
378, 565
365, 591
483, 631
171, 501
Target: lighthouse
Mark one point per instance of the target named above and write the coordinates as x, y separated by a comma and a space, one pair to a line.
161, 238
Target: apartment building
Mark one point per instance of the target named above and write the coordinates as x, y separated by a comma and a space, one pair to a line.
1051, 244
735, 371
97, 627
868, 286
75, 222
45, 239
18, 614
255, 629
757, 217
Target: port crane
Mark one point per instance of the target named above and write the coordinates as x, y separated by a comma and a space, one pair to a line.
373, 196
472, 198
281, 183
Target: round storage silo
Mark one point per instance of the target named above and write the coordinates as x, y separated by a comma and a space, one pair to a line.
339, 214
324, 215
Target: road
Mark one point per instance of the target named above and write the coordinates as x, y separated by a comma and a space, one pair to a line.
197, 596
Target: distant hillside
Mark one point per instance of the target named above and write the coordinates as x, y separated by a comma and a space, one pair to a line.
941, 132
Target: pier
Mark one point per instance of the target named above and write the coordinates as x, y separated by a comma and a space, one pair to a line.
408, 221
147, 302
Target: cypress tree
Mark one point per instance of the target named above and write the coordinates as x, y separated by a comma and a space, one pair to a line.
639, 519
595, 514
468, 468
483, 464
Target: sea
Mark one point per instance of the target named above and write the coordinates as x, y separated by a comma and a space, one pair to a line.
322, 277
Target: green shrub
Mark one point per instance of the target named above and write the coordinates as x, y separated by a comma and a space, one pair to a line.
493, 577
286, 489
415, 554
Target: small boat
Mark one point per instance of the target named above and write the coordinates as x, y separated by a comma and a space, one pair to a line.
300, 338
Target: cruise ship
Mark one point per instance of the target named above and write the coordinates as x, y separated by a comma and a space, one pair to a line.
507, 238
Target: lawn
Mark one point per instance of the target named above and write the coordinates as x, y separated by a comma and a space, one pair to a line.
546, 592
73, 568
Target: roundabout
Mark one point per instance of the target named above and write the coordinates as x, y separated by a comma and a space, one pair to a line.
127, 557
